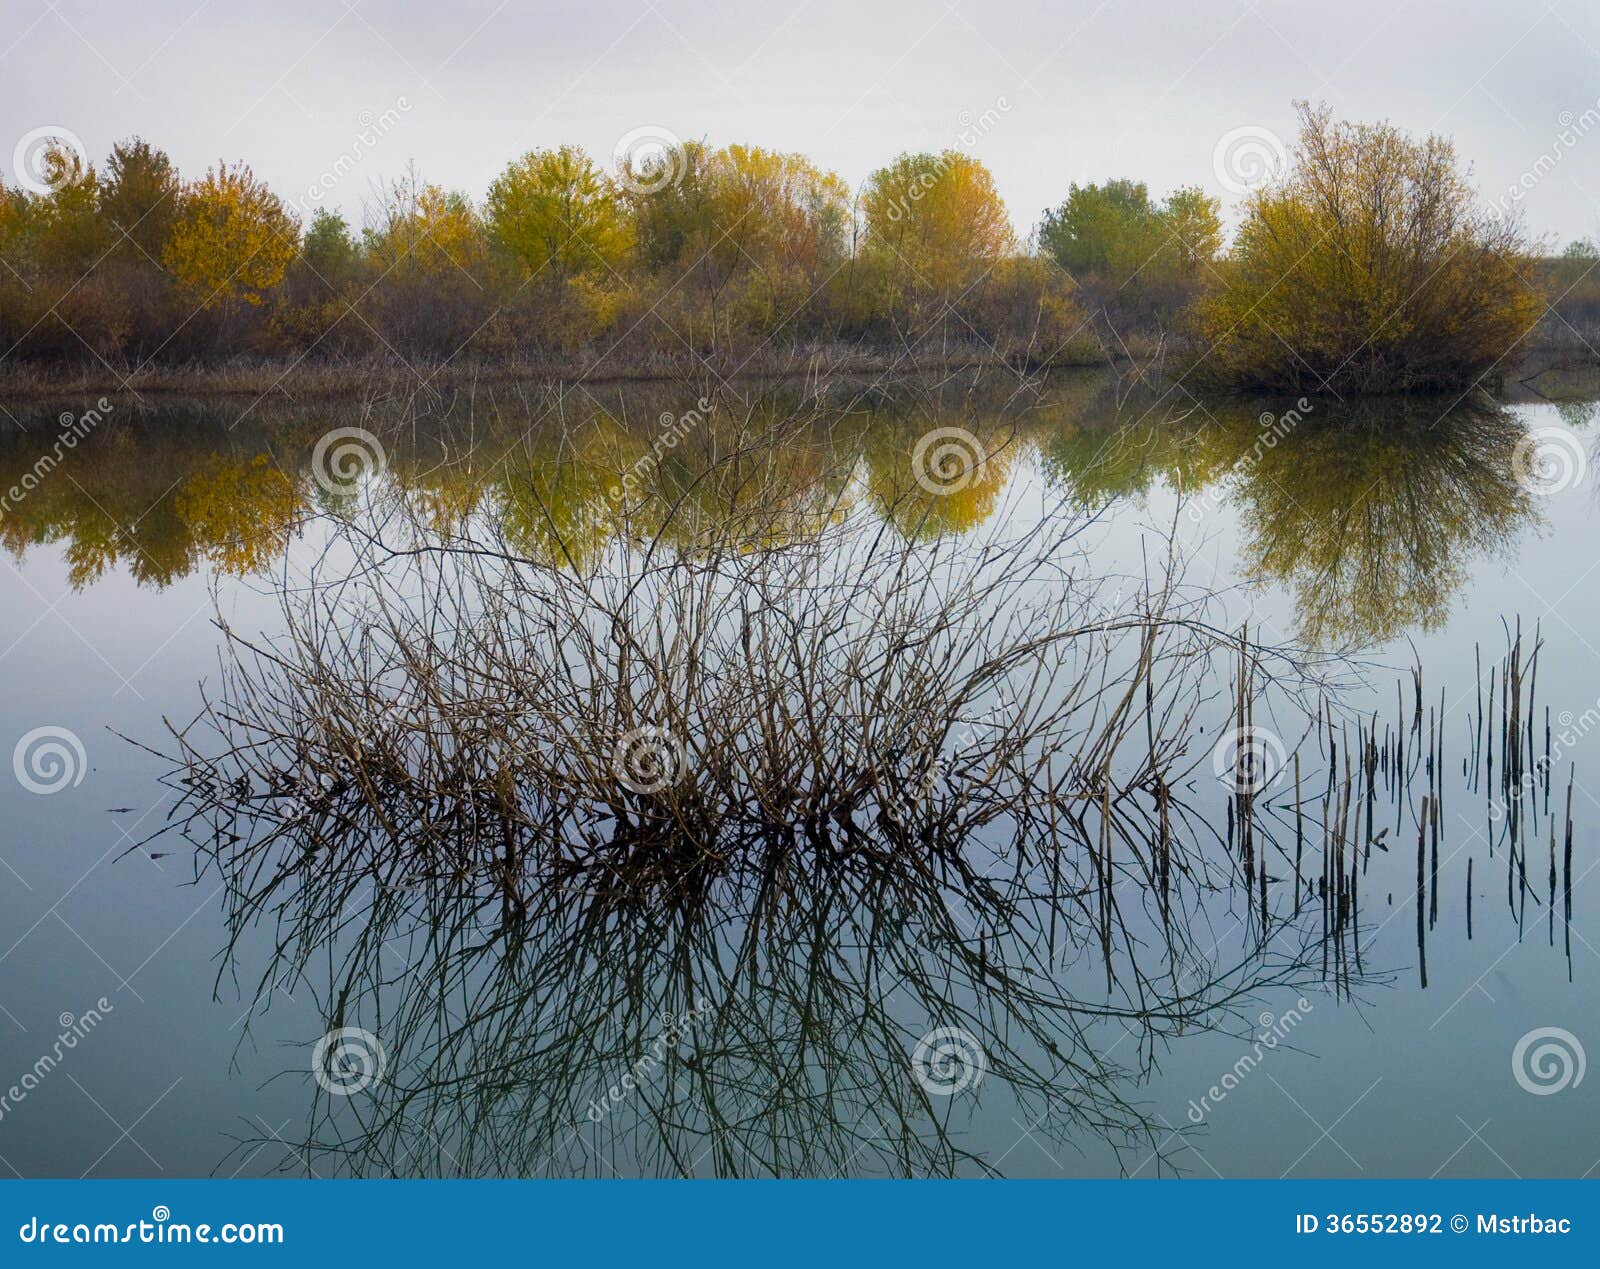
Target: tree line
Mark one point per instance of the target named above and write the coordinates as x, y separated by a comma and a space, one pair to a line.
1369, 263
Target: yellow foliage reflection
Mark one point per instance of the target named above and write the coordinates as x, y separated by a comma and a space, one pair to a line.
1372, 518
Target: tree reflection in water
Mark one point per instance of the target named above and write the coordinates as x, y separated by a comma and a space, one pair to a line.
1372, 516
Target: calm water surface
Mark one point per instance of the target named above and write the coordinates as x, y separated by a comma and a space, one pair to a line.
1407, 539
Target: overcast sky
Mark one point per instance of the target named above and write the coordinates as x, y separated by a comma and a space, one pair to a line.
1044, 93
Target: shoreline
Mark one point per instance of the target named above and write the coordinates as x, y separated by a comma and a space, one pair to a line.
330, 380
300, 383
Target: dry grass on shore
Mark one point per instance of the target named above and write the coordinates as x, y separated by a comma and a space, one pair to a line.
299, 379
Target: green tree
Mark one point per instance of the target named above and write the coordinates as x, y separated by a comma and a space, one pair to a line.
327, 249
65, 232
1116, 234
139, 198
1574, 275
1111, 229
672, 204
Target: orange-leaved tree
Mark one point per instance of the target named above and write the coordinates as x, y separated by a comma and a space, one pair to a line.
233, 239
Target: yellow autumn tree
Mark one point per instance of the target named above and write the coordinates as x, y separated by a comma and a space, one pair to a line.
233, 238
427, 229
554, 502
1369, 267
776, 211
558, 214
740, 207
937, 220
432, 285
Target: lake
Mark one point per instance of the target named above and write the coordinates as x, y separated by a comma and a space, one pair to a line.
980, 776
